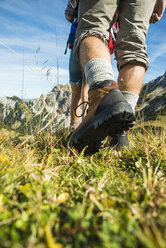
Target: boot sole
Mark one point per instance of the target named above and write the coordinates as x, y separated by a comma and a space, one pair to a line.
111, 120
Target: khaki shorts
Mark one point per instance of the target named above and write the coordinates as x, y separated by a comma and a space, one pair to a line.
97, 16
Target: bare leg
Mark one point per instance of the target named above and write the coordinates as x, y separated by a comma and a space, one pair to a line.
131, 78
95, 60
91, 48
109, 109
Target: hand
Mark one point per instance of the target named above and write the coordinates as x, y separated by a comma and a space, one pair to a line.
158, 11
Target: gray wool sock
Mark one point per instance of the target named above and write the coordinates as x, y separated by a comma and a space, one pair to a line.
131, 98
98, 70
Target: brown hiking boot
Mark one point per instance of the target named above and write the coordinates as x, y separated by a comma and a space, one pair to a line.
109, 113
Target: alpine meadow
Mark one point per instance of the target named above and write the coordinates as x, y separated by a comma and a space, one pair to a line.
82, 124
50, 196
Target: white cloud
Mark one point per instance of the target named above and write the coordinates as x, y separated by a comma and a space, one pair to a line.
34, 83
17, 7
157, 51
27, 25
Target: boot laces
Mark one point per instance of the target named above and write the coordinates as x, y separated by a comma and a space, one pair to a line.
84, 110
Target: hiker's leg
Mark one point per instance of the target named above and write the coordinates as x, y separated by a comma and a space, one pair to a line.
91, 48
130, 82
131, 54
95, 18
108, 111
75, 75
131, 78
130, 46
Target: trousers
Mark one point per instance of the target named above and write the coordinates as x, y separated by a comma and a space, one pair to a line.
95, 18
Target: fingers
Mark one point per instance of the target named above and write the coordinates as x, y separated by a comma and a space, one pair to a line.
154, 18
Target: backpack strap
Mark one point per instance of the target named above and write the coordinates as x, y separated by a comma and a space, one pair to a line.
71, 37
113, 32
67, 44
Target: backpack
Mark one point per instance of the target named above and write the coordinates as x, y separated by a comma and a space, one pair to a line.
113, 32
71, 38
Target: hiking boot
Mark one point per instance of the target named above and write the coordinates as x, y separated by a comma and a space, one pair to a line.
119, 141
108, 114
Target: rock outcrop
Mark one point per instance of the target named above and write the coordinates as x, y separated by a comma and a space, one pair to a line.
48, 111
152, 101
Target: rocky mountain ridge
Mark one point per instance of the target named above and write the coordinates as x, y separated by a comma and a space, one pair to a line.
48, 111
152, 101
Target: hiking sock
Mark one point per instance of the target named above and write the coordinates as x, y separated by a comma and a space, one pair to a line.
98, 70
131, 98
121, 140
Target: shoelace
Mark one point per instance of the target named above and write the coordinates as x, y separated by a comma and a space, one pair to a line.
85, 108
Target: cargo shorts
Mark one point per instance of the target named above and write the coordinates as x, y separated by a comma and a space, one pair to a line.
95, 18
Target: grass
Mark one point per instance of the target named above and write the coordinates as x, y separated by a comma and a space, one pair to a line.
52, 197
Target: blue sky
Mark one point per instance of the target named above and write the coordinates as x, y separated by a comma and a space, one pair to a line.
32, 43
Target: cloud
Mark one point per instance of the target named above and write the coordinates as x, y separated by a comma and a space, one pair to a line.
29, 25
17, 7
43, 54
157, 51
25, 27
36, 66
34, 82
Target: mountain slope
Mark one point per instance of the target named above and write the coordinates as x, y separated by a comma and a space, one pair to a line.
152, 101
48, 111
